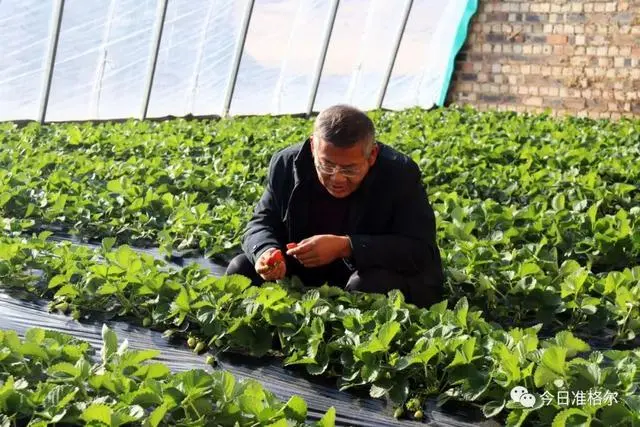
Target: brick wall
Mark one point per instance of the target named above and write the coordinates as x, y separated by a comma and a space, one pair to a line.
574, 57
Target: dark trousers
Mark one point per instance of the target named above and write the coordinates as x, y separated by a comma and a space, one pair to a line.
417, 289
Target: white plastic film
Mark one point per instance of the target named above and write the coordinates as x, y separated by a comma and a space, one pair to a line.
101, 64
105, 48
24, 40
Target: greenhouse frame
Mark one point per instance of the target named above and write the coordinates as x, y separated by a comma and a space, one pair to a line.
319, 213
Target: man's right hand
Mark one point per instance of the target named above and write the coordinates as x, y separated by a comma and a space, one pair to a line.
270, 273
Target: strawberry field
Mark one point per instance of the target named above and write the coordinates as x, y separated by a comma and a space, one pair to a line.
538, 224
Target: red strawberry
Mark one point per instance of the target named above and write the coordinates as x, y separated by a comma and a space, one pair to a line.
291, 245
275, 258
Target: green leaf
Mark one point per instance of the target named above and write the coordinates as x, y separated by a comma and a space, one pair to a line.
329, 419
592, 214
554, 358
97, 412
493, 408
558, 202
34, 350
107, 289
422, 357
157, 416
60, 396
145, 397
110, 343
461, 309
64, 369
57, 281
552, 366
115, 187
439, 308
153, 371
136, 357
572, 417
572, 344
400, 391
387, 332
67, 291
516, 418
296, 409
35, 335
615, 415
127, 415
107, 243
182, 300
251, 404
529, 269
228, 382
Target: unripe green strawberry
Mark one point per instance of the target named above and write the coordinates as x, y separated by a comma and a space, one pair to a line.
63, 307
413, 404
199, 348
398, 413
191, 342
211, 360
418, 415
146, 322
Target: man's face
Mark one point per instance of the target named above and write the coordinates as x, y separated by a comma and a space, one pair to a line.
341, 170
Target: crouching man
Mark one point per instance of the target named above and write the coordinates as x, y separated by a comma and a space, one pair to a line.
355, 209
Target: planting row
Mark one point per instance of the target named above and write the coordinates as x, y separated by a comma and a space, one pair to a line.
520, 276
192, 184
363, 340
567, 258
527, 270
50, 378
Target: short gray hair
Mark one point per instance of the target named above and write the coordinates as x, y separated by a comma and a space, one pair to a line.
345, 126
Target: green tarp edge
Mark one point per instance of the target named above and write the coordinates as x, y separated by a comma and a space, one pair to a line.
461, 36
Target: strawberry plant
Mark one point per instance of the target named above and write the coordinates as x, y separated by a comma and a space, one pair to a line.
364, 341
53, 378
538, 222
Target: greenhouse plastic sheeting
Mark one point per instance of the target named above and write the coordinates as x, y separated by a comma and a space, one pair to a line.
351, 410
105, 51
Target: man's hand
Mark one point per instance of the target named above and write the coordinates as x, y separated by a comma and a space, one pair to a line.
321, 250
273, 272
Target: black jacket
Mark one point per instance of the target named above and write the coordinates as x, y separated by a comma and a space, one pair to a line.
391, 223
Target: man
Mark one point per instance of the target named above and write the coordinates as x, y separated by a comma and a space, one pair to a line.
356, 210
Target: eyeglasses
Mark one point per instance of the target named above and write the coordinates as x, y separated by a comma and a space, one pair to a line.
348, 172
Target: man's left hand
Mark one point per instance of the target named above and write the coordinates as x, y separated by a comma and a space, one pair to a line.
321, 250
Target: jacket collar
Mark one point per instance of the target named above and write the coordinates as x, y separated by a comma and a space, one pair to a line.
302, 170
303, 163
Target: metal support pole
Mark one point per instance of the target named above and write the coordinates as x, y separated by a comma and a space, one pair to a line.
54, 36
237, 57
151, 70
323, 54
396, 47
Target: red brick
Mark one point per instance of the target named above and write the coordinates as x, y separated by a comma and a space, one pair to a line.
533, 101
624, 39
467, 67
575, 103
557, 39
